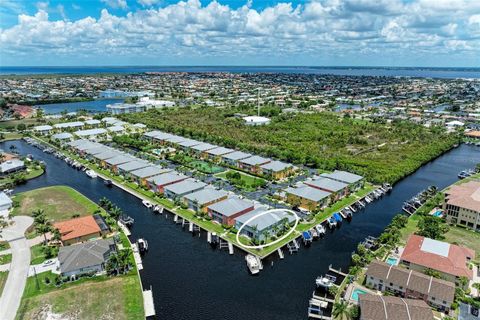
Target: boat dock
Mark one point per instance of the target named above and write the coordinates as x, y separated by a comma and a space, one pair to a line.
280, 253
148, 304
230, 248
137, 257
124, 228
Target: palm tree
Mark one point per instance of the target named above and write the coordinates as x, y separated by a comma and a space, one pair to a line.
341, 311
42, 224
105, 203
115, 212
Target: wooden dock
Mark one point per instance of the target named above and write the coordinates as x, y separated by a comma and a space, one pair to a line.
148, 304
137, 257
280, 253
124, 228
230, 248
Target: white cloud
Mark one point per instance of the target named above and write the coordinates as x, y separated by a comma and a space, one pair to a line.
148, 3
329, 28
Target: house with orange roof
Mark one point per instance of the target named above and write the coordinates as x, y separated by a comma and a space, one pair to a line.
80, 229
450, 260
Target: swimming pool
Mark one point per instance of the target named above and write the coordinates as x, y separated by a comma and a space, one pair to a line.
392, 261
438, 213
356, 292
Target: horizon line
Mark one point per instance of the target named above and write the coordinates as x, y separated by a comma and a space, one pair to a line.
238, 66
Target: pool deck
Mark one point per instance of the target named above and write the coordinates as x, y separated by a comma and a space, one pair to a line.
350, 289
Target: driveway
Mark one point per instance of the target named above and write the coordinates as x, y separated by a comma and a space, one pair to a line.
17, 277
40, 268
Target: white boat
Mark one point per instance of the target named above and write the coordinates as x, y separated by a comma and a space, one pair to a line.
91, 173
320, 229
147, 204
325, 281
314, 233
158, 209
367, 199
252, 264
142, 245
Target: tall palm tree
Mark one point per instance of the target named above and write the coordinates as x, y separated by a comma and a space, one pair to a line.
115, 212
341, 311
42, 224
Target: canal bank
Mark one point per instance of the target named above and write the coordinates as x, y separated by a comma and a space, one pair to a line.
192, 281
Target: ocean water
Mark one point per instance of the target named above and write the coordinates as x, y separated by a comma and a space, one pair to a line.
350, 71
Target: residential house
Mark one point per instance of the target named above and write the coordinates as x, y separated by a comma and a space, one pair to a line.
232, 159
307, 197
265, 225
216, 154
63, 137
450, 260
5, 204
354, 181
159, 182
277, 170
437, 293
200, 150
186, 144
336, 188
113, 163
226, 211
140, 176
253, 164
200, 200
43, 130
375, 307
11, 166
182, 188
93, 123
125, 168
462, 205
78, 230
85, 258
91, 134
108, 153
68, 125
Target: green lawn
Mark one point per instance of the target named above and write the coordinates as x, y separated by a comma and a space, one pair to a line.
248, 181
11, 136
3, 279
31, 173
5, 258
37, 255
205, 167
4, 245
58, 202
466, 238
90, 299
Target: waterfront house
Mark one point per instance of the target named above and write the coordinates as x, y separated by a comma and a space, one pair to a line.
113, 163
450, 260
253, 164
91, 134
307, 197
264, 226
200, 200
85, 258
43, 130
113, 130
81, 145
178, 190
91, 151
101, 157
122, 108
277, 170
200, 150
375, 307
11, 166
140, 176
232, 159
411, 284
5, 204
226, 211
216, 154
125, 168
354, 181
78, 230
462, 205
69, 125
159, 182
92, 123
62, 138
336, 188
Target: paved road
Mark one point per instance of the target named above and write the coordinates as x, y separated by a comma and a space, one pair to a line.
17, 277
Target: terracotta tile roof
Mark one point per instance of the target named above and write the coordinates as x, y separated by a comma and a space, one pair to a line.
374, 307
465, 195
453, 262
77, 227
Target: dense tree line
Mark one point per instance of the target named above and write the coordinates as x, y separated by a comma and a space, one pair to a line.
380, 152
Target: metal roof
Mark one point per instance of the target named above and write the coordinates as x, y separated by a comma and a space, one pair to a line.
185, 186
206, 195
436, 247
90, 132
62, 136
343, 176
237, 155
265, 221
276, 166
203, 147
231, 206
255, 160
134, 165
220, 151
308, 193
166, 178
328, 184
148, 171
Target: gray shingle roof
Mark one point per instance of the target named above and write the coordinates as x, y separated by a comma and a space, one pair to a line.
308, 193
343, 176
231, 206
84, 255
375, 307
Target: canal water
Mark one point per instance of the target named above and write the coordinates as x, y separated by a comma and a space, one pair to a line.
190, 280
94, 106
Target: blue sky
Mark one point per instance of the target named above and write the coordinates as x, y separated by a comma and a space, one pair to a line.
192, 32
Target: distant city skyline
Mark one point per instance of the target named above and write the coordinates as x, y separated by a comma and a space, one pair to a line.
396, 33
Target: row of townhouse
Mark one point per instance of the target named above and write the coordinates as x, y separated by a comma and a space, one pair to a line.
437, 293
221, 206
245, 161
319, 192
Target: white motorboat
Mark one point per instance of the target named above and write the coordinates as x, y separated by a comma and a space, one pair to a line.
91, 173
325, 281
320, 229
147, 204
252, 264
314, 233
142, 245
158, 209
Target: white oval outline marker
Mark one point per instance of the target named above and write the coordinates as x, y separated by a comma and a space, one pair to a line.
292, 229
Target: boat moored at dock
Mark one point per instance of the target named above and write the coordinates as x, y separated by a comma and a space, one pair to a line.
252, 264
92, 174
